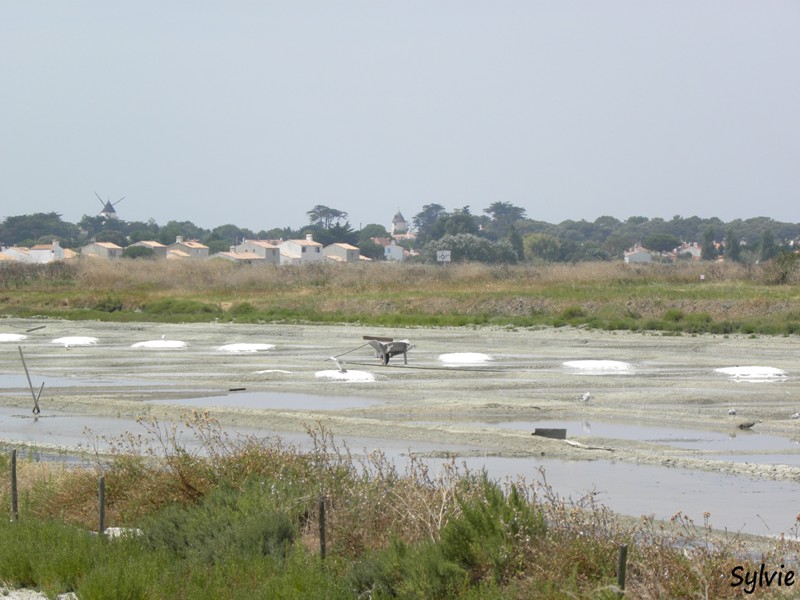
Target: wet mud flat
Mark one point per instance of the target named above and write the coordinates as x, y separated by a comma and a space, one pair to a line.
668, 420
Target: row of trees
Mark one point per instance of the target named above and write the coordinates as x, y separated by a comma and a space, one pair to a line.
606, 238
502, 233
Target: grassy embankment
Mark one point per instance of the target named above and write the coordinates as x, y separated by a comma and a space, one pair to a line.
687, 297
240, 520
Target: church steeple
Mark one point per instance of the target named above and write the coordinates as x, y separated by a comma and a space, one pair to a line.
399, 224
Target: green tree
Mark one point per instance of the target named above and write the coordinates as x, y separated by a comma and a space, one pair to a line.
371, 250
114, 237
503, 215
230, 234
708, 251
186, 229
37, 226
325, 217
515, 239
768, 248
662, 242
542, 246
425, 221
336, 234
459, 221
733, 248
469, 247
138, 252
371, 230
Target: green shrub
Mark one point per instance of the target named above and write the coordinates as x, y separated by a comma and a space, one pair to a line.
573, 312
241, 309
173, 306
674, 315
108, 304
227, 522
486, 544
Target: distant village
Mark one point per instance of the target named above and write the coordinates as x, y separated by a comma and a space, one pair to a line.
502, 235
263, 252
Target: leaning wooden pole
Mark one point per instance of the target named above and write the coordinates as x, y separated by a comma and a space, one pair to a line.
36, 410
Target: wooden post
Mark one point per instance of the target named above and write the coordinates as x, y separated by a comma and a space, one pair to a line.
322, 527
14, 503
622, 567
102, 499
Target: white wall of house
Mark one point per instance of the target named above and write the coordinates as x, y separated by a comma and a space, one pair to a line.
342, 252
242, 258
302, 251
270, 253
638, 255
393, 252
46, 253
193, 249
102, 250
17, 253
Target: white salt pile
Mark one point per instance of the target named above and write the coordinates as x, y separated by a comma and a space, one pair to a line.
752, 372
236, 348
464, 358
335, 375
598, 365
267, 371
75, 340
161, 344
12, 337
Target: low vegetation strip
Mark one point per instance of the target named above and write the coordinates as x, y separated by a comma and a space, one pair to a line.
239, 518
683, 297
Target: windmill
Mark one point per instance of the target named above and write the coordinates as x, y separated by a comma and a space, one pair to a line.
108, 207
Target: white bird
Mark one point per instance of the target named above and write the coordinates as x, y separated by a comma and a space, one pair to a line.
338, 364
586, 397
795, 416
731, 411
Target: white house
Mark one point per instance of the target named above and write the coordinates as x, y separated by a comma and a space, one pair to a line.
394, 252
694, 250
299, 252
102, 250
243, 258
192, 248
638, 254
46, 253
17, 253
270, 253
340, 252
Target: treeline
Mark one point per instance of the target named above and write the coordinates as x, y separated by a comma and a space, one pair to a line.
501, 234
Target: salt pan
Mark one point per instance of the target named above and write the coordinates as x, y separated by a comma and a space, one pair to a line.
161, 344
464, 358
336, 375
598, 365
236, 348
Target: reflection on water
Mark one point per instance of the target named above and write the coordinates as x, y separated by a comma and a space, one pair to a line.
736, 503
735, 440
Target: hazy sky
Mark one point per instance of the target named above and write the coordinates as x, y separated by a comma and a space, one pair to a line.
252, 113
